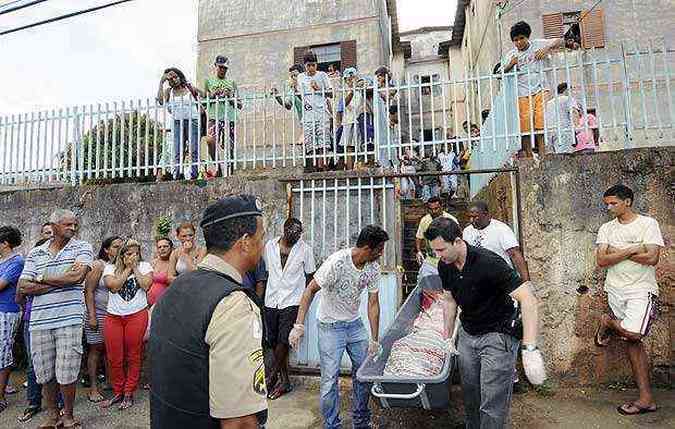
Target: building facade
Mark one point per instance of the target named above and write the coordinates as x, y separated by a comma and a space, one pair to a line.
262, 38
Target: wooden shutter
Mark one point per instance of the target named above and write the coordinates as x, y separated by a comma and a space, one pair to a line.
298, 53
348, 54
553, 25
593, 29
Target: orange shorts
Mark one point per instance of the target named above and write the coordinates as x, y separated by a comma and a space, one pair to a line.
530, 106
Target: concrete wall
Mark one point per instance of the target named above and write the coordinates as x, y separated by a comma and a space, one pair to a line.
561, 212
259, 36
132, 210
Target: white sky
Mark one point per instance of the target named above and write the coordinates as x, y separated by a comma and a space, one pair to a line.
119, 52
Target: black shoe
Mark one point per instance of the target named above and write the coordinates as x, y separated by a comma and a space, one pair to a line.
85, 381
518, 388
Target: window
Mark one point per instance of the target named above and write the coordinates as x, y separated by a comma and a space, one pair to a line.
429, 84
342, 54
585, 27
328, 54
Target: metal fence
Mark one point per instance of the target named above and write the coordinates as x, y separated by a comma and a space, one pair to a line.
346, 124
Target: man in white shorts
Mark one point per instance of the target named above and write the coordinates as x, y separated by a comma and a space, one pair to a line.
629, 247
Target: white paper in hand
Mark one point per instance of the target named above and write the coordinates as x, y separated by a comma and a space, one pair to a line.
533, 363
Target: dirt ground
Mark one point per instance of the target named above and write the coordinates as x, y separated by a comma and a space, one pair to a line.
562, 408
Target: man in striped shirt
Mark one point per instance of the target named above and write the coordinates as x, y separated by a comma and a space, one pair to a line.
53, 274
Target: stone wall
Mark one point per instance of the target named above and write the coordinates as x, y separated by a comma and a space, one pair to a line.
132, 210
562, 210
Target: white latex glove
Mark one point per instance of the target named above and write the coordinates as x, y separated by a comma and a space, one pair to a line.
420, 257
296, 335
533, 363
451, 347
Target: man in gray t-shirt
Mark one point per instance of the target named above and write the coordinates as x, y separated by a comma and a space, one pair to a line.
342, 278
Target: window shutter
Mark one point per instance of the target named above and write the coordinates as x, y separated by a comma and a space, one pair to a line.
553, 25
298, 53
348, 54
593, 29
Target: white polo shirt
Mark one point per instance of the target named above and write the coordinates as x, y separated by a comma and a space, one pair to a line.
286, 285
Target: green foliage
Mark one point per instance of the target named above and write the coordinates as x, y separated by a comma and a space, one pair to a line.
118, 143
163, 226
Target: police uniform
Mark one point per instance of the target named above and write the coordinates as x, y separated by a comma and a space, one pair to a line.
207, 331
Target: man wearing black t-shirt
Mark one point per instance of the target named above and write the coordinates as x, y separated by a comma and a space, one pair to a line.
482, 284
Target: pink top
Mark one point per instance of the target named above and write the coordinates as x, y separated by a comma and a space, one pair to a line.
160, 283
585, 138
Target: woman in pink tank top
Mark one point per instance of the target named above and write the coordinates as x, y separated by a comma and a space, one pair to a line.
161, 279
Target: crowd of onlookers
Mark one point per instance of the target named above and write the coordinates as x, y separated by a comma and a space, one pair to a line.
85, 316
350, 120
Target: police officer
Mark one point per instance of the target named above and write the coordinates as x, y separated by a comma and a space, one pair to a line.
207, 330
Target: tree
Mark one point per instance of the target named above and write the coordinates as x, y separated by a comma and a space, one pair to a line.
116, 147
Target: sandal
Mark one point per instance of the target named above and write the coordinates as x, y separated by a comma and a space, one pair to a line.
3, 405
625, 409
95, 398
57, 425
75, 424
128, 402
28, 414
112, 401
280, 391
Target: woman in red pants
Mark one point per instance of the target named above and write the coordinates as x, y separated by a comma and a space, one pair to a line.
128, 281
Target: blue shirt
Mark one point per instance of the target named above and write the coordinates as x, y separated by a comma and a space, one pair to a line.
253, 277
10, 271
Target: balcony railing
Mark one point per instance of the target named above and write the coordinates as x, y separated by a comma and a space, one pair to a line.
630, 93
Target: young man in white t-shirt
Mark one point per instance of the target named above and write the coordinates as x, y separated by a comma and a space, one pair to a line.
529, 59
342, 278
629, 247
314, 87
496, 237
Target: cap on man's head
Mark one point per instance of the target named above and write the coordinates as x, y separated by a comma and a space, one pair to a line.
349, 72
231, 207
222, 60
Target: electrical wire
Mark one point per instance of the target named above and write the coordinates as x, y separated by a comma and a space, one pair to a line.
59, 18
19, 7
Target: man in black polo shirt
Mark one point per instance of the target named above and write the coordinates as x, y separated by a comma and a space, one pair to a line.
483, 285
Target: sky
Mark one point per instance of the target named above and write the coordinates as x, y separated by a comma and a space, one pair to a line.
119, 52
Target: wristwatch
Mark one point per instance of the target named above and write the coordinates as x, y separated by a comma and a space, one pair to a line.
39, 278
528, 347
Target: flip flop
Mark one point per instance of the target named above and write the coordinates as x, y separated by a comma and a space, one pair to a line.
57, 425
97, 400
76, 424
127, 403
112, 401
28, 414
598, 339
280, 391
624, 409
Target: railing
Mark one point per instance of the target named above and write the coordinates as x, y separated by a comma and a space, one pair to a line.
630, 90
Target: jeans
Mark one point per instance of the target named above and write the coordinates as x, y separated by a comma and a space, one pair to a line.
183, 130
124, 349
486, 364
334, 339
34, 390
